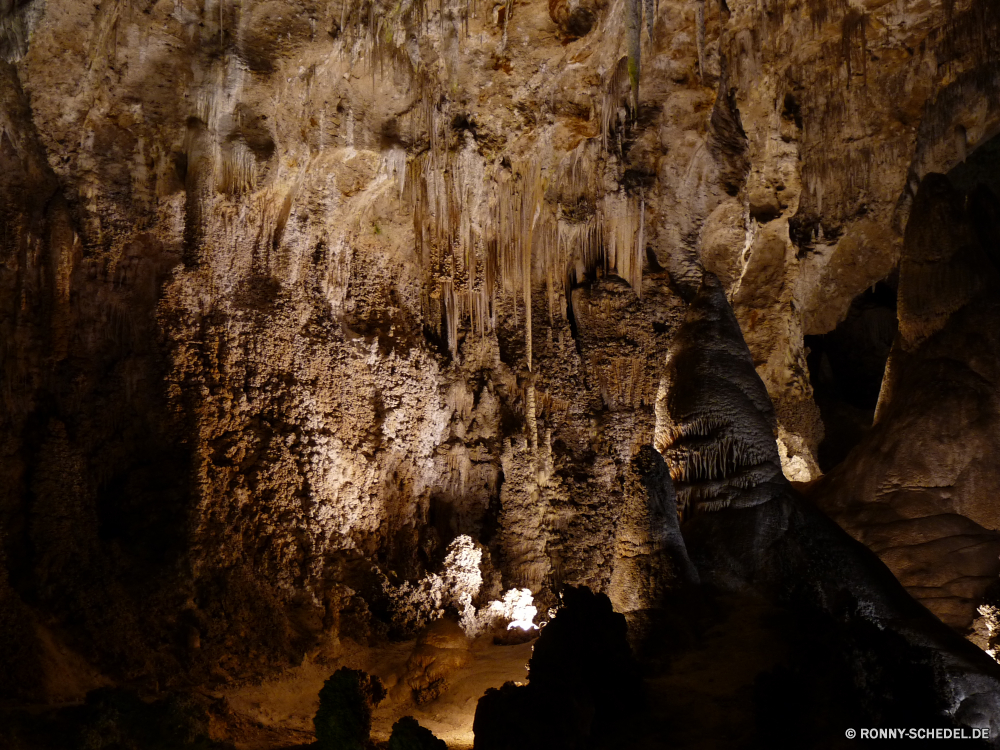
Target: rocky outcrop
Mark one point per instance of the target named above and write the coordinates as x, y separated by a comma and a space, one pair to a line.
292, 294
921, 488
751, 532
843, 119
858, 650
583, 683
440, 649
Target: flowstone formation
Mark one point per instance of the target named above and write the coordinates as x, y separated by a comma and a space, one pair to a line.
920, 489
753, 533
294, 295
718, 456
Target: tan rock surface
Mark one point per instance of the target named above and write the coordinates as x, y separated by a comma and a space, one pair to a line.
921, 489
292, 292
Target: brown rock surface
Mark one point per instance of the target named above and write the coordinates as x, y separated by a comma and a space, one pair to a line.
292, 294
921, 489
440, 650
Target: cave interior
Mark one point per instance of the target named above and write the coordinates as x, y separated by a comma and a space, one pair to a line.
425, 374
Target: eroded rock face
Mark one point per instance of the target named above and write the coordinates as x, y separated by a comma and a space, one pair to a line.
294, 294
919, 489
837, 149
756, 534
300, 332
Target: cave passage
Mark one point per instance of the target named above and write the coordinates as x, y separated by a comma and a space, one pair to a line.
981, 167
846, 367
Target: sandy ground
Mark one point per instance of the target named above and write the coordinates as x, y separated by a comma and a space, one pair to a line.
703, 700
281, 710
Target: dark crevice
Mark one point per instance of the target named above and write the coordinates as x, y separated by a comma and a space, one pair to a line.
846, 367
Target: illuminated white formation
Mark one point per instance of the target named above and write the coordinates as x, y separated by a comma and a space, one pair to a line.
417, 604
456, 586
517, 606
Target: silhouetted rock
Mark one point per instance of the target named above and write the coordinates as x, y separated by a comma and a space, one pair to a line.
750, 531
344, 718
407, 734
845, 671
582, 681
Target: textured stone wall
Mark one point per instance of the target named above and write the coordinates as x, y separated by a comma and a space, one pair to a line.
921, 487
293, 293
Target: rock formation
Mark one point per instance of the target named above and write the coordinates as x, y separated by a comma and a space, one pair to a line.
919, 489
293, 295
583, 683
750, 530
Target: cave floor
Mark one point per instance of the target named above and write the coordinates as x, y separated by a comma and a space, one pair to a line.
703, 699
278, 713
700, 697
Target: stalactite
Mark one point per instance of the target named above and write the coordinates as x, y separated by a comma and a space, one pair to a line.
588, 241
633, 35
13, 36
451, 315
486, 231
395, 167
700, 17
105, 43
480, 312
508, 9
576, 169
236, 169
448, 195
623, 382
640, 249
623, 233
531, 419
854, 32
615, 92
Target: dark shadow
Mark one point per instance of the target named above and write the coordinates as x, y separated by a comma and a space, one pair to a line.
846, 367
